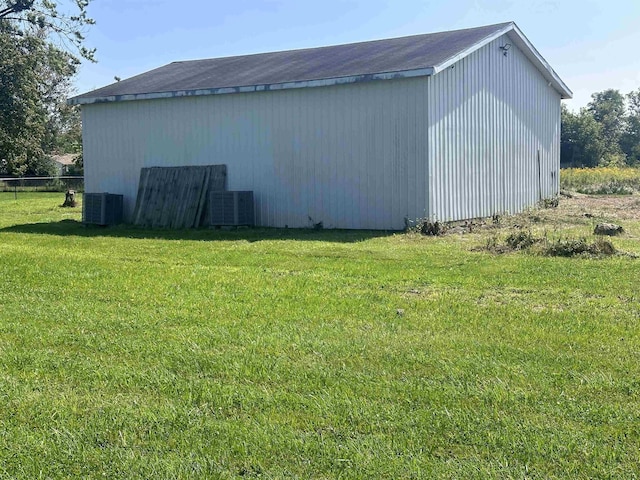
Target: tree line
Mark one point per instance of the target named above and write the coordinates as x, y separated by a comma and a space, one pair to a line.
604, 133
41, 45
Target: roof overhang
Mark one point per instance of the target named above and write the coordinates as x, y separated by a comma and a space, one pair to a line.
324, 82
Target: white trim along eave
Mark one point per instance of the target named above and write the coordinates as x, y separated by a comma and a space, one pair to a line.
325, 82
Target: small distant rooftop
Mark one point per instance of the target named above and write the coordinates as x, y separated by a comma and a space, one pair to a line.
66, 159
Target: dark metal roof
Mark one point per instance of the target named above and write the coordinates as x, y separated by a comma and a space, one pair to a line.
417, 55
365, 58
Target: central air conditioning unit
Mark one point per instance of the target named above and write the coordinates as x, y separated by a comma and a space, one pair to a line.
231, 208
102, 208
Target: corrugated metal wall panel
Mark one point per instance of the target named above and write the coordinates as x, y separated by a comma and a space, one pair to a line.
489, 116
349, 156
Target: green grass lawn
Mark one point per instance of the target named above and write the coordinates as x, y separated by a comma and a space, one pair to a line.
127, 353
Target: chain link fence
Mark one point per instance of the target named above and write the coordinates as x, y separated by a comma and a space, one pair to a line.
42, 184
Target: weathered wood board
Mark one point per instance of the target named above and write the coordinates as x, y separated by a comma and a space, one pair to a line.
176, 197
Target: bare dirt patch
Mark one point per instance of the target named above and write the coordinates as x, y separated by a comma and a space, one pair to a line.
566, 229
577, 211
622, 207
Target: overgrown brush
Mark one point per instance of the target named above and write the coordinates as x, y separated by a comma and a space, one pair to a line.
601, 180
611, 188
526, 240
433, 228
552, 202
569, 247
521, 240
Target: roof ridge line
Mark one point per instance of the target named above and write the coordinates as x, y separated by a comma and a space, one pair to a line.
360, 42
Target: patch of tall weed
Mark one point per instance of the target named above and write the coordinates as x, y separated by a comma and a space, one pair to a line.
520, 239
601, 180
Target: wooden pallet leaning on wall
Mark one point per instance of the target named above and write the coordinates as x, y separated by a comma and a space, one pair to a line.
177, 197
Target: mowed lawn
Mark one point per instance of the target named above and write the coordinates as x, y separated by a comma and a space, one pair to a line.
127, 353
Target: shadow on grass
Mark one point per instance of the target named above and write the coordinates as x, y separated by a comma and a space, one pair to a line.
67, 228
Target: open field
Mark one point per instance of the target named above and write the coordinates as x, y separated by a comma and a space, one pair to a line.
127, 353
601, 180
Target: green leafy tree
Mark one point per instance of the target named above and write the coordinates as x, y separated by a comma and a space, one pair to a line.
608, 109
40, 51
41, 167
581, 140
77, 169
64, 130
630, 140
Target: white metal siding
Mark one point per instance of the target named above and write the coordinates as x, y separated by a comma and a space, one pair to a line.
461, 144
489, 115
351, 156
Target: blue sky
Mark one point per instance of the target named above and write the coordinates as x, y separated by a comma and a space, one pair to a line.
592, 44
